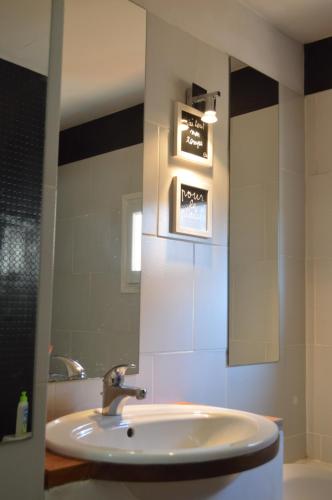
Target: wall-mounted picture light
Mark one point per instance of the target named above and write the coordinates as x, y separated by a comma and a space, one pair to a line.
199, 98
193, 134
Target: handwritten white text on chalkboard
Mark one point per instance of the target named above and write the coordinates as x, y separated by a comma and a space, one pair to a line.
195, 139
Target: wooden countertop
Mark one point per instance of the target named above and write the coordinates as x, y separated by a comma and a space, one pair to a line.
61, 470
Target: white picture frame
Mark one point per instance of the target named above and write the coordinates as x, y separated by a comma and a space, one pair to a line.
181, 146
192, 208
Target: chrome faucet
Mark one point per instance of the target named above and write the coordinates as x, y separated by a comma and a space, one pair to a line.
115, 392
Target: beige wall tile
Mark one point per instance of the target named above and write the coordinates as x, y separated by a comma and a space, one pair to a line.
320, 414
292, 300
291, 229
326, 448
322, 302
318, 137
295, 448
293, 389
319, 196
314, 446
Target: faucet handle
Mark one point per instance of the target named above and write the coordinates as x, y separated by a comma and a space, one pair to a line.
117, 373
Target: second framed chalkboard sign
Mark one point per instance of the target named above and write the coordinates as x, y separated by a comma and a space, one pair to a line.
192, 136
192, 209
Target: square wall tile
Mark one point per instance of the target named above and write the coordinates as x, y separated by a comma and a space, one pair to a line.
96, 242
292, 210
115, 173
319, 391
74, 198
314, 446
254, 316
71, 301
166, 295
76, 396
318, 109
326, 449
255, 388
295, 448
319, 199
322, 310
210, 297
292, 300
196, 377
243, 352
63, 257
293, 390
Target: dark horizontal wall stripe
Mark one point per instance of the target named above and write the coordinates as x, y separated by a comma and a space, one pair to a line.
22, 117
251, 90
116, 131
318, 66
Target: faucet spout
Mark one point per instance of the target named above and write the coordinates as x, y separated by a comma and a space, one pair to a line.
116, 393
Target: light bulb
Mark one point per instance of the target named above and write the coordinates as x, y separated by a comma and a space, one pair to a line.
210, 116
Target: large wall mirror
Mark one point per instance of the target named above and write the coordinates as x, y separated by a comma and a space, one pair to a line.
253, 238
24, 60
96, 303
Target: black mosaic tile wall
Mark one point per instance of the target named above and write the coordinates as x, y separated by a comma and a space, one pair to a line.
22, 117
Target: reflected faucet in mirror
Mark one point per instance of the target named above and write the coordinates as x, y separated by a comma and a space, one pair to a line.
115, 392
74, 370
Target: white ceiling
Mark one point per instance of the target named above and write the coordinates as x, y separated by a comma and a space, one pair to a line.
25, 33
103, 59
303, 20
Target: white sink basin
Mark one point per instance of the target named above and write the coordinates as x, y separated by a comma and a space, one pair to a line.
161, 434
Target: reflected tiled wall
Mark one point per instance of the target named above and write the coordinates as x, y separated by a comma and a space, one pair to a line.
183, 336
319, 273
93, 320
254, 167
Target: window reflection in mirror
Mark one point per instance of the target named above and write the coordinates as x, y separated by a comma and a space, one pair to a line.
96, 303
253, 258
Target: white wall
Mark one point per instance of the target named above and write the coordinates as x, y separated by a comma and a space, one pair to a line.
319, 273
184, 281
232, 28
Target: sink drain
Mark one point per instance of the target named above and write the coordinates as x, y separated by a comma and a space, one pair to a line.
130, 432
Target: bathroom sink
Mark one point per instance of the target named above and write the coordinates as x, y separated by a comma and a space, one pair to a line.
164, 434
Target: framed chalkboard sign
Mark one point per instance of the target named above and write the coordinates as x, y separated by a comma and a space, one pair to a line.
192, 136
192, 208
